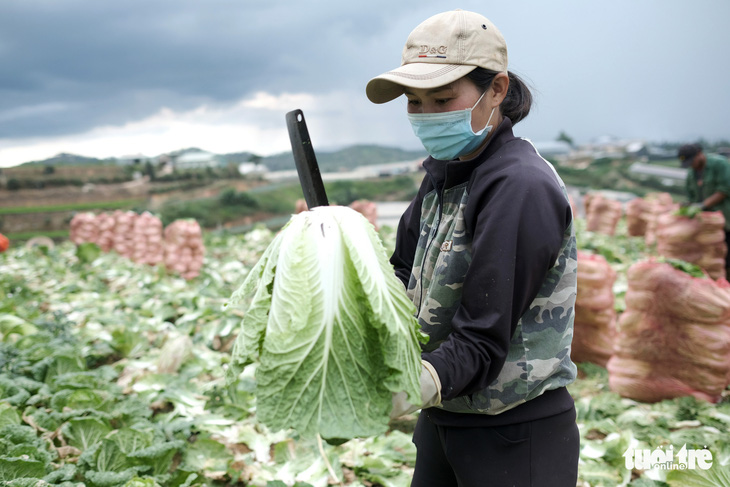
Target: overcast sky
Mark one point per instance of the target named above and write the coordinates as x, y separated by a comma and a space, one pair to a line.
114, 78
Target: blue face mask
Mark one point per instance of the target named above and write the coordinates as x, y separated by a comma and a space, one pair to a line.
449, 135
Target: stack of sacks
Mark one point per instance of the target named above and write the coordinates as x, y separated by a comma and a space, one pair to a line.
595, 316
148, 247
699, 240
636, 221
367, 208
83, 228
184, 249
300, 206
123, 234
106, 223
573, 208
657, 204
587, 202
140, 238
602, 214
673, 339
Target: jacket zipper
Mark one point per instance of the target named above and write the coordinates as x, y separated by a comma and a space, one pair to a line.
434, 232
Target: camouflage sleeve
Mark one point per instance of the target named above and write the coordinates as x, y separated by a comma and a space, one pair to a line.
409, 229
517, 222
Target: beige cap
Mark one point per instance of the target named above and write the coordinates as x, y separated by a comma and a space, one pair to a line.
441, 50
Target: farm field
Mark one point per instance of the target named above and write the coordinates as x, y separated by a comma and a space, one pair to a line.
112, 374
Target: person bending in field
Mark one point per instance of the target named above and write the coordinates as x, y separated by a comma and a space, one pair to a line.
708, 184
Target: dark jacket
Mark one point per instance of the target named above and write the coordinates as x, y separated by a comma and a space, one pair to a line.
487, 252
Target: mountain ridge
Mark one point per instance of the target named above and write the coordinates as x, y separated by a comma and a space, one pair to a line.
328, 160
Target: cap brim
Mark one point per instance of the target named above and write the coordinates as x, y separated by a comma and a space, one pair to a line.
389, 86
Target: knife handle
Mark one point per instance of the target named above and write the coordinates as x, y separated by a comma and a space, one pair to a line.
305, 160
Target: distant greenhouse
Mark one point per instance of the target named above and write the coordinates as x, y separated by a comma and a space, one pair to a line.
553, 148
197, 160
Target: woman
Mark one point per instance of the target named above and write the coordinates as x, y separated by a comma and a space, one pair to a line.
487, 252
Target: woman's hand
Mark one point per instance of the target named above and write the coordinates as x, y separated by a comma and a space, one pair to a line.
430, 393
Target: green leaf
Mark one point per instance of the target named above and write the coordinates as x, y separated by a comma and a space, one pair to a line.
110, 479
130, 440
63, 363
8, 415
182, 478
716, 476
17, 468
25, 482
686, 267
645, 482
85, 432
87, 252
690, 211
12, 326
31, 451
12, 393
140, 482
81, 399
18, 434
207, 455
110, 458
128, 342
49, 421
98, 378
64, 473
158, 456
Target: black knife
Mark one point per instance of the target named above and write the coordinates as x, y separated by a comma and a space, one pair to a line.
305, 160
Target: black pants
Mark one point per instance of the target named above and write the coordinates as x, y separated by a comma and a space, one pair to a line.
541, 453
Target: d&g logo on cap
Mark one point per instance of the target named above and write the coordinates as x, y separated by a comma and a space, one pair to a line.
430, 51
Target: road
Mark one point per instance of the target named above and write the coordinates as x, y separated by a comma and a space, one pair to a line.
389, 212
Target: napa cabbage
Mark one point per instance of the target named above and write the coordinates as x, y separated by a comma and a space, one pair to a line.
329, 326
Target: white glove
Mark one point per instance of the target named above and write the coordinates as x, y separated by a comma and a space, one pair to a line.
430, 393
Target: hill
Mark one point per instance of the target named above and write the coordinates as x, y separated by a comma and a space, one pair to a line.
349, 157
342, 159
65, 159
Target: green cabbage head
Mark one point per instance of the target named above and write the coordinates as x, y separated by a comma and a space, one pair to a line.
330, 328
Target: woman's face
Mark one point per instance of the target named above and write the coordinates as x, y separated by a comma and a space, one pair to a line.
459, 95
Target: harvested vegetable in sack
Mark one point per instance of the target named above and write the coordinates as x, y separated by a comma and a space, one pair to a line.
694, 236
636, 220
184, 248
674, 336
602, 214
330, 327
658, 204
595, 316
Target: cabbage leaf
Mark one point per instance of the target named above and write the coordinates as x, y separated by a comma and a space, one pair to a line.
330, 328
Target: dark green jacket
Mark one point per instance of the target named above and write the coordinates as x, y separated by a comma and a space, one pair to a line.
715, 177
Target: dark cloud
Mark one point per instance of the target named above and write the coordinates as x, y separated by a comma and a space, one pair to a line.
654, 68
113, 62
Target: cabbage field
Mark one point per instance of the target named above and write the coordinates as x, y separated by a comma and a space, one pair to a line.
112, 374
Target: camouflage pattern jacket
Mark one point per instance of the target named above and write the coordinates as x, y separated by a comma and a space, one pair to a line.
488, 254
